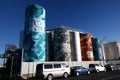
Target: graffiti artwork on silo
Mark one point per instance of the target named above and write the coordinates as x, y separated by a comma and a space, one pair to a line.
83, 46
34, 34
62, 50
97, 49
86, 47
90, 56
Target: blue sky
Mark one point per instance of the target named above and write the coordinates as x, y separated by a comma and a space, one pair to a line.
101, 18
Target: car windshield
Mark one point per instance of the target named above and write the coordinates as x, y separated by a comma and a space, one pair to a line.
97, 65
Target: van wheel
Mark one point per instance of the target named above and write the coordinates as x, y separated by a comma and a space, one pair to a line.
50, 77
65, 75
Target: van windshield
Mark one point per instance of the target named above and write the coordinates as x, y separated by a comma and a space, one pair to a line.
97, 65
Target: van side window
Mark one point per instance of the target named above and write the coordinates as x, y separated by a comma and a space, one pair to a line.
57, 65
65, 66
48, 66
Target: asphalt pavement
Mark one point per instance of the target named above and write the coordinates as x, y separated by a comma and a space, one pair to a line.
109, 75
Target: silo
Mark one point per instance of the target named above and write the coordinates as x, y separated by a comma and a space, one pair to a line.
86, 47
75, 46
72, 45
83, 47
111, 51
62, 49
34, 34
97, 49
49, 46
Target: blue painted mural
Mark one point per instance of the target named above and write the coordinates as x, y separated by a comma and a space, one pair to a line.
34, 34
97, 49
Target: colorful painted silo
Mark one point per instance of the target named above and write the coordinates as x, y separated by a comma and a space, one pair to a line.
34, 34
62, 49
97, 49
86, 47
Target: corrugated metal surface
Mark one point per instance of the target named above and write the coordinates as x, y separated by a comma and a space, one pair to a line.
34, 34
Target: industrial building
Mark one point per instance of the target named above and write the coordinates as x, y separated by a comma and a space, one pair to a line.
38, 44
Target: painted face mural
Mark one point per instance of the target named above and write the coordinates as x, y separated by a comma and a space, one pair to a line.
34, 34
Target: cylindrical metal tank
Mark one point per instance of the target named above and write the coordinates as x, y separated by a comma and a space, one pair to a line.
83, 47
111, 50
72, 45
76, 46
49, 46
86, 47
97, 49
34, 34
62, 49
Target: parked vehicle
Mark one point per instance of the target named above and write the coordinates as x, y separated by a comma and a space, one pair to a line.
51, 70
111, 67
96, 68
77, 70
118, 65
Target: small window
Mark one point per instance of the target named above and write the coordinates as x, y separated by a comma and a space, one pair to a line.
65, 66
48, 66
57, 65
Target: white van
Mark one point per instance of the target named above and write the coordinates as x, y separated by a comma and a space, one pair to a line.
51, 70
96, 67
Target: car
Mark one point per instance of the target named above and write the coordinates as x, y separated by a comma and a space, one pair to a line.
112, 67
96, 68
77, 70
51, 70
118, 66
